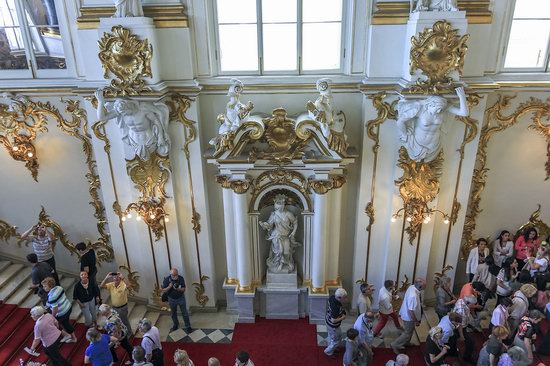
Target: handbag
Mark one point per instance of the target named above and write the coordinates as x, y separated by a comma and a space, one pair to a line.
164, 297
157, 356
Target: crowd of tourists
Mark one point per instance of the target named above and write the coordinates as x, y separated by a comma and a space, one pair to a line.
108, 324
515, 274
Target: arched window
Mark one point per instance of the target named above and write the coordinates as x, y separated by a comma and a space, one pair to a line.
30, 39
259, 37
527, 48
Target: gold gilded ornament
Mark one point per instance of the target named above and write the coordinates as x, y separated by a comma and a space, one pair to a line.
7, 231
418, 186
126, 57
200, 291
437, 52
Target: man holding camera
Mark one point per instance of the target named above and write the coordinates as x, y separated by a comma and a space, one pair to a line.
118, 287
173, 288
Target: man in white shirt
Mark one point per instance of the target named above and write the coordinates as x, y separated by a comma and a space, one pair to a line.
151, 342
410, 313
462, 308
385, 308
450, 325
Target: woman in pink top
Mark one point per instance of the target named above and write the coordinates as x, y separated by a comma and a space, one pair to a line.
527, 241
46, 332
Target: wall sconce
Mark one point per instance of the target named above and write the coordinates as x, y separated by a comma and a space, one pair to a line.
151, 211
416, 214
22, 149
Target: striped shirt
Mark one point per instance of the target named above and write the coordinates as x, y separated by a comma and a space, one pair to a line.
57, 299
334, 311
42, 247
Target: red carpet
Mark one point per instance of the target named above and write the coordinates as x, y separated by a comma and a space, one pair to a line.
269, 343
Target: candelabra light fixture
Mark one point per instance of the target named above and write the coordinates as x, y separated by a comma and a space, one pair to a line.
151, 211
415, 216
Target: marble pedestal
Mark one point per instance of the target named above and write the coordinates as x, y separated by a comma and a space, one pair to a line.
246, 308
282, 296
232, 306
317, 308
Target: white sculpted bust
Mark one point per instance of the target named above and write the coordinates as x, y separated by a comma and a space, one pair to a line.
144, 125
435, 5
420, 123
128, 8
281, 228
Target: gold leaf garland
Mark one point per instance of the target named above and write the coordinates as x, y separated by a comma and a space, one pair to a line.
7, 231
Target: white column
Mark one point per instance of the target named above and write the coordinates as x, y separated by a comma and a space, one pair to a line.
320, 239
242, 241
229, 225
335, 196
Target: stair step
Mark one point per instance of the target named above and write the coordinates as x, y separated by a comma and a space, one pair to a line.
136, 315
7, 274
4, 265
20, 295
20, 280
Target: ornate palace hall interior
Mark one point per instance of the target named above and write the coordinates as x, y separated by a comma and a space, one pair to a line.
273, 152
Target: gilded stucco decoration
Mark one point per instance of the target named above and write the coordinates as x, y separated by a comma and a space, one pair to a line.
128, 58
322, 186
200, 291
497, 122
7, 231
150, 177
402, 288
279, 176
20, 122
133, 278
418, 186
78, 128
437, 52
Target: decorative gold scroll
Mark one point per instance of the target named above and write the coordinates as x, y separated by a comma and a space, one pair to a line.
279, 176
200, 291
121, 53
497, 122
78, 127
149, 176
437, 52
19, 124
543, 228
398, 300
7, 231
322, 186
133, 278
418, 186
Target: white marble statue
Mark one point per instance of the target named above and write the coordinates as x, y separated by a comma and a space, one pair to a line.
435, 5
235, 112
144, 125
128, 8
281, 227
420, 123
331, 124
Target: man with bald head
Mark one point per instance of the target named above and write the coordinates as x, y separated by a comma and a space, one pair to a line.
174, 287
410, 313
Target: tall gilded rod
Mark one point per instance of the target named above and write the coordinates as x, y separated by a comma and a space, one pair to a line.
179, 105
416, 253
400, 250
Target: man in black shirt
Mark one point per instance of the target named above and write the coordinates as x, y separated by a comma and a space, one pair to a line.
174, 287
87, 261
87, 295
38, 273
335, 315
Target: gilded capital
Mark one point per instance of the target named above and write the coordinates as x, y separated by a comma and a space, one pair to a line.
239, 186
223, 180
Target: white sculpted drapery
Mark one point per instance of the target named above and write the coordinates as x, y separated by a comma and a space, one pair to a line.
420, 123
128, 8
144, 125
436, 5
281, 227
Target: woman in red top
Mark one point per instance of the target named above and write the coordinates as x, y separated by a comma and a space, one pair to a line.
527, 241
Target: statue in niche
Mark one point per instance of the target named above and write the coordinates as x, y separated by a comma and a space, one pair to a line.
435, 5
281, 228
144, 125
420, 123
128, 8
235, 113
331, 124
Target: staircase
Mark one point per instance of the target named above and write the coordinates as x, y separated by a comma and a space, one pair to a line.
16, 325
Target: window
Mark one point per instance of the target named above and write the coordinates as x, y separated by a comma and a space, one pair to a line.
527, 48
279, 36
30, 38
